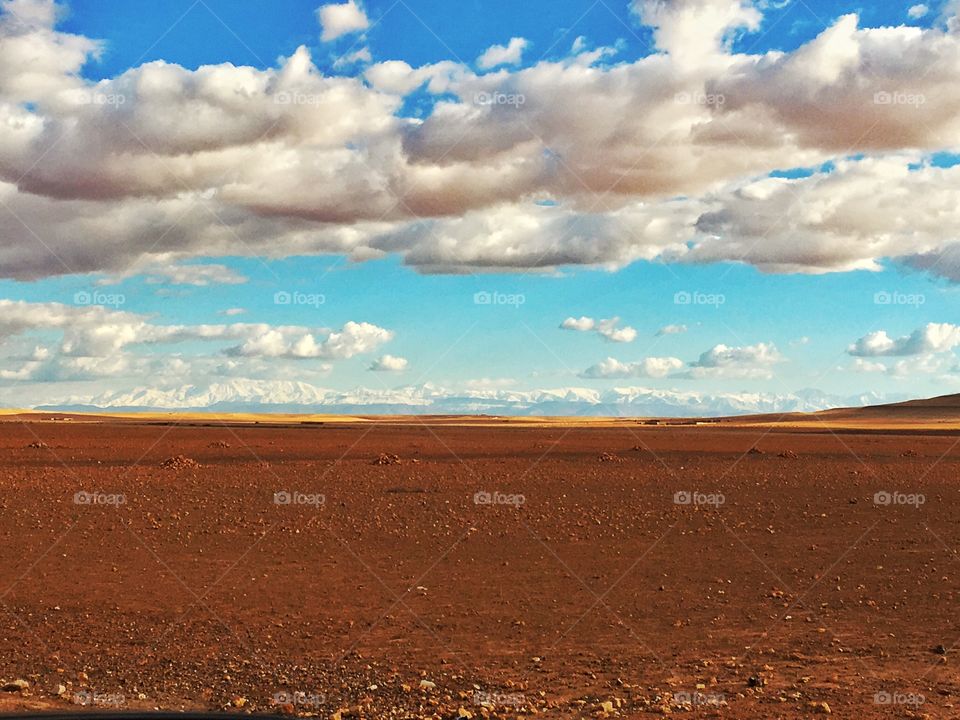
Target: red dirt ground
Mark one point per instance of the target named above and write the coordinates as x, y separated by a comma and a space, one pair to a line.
199, 591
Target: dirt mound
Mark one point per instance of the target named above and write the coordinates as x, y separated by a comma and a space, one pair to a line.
387, 459
609, 457
788, 454
179, 462
755, 451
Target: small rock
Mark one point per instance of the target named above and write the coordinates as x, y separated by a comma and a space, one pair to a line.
819, 706
18, 685
387, 459
427, 685
940, 649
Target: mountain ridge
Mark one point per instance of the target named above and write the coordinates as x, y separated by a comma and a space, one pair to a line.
286, 396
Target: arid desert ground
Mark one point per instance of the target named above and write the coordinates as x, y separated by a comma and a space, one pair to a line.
445, 567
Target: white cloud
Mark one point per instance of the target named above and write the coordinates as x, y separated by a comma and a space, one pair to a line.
96, 341
341, 19
838, 220
509, 54
671, 330
581, 324
906, 368
608, 329
918, 11
724, 355
867, 366
696, 32
165, 163
651, 367
747, 362
388, 363
361, 56
231, 312
931, 338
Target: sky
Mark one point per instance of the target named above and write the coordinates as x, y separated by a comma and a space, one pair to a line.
487, 201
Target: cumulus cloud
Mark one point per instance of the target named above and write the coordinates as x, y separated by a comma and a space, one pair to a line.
724, 355
931, 338
925, 364
388, 363
749, 362
341, 19
842, 219
509, 54
671, 330
580, 324
651, 367
867, 366
697, 31
363, 55
720, 361
97, 341
918, 11
608, 329
662, 158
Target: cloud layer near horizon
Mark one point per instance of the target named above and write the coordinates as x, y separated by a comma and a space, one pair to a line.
94, 341
666, 157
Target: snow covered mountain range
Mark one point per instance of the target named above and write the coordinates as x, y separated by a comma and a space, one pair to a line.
248, 395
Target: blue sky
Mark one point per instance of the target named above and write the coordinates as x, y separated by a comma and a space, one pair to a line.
388, 196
